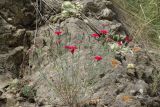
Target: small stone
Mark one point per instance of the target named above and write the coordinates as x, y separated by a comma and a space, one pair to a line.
130, 66
107, 14
108, 3
132, 92
131, 72
141, 87
10, 19
124, 100
141, 91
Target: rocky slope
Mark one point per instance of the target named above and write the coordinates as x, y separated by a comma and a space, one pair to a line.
33, 58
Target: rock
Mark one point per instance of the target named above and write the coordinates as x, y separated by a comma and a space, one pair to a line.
130, 66
76, 26
141, 87
89, 7
19, 14
12, 61
11, 101
13, 42
49, 106
131, 73
51, 7
102, 4
148, 74
140, 70
3, 102
39, 42
94, 7
124, 86
1, 92
142, 58
145, 73
107, 14
20, 99
120, 89
124, 100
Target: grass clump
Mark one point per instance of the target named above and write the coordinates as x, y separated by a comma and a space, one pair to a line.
143, 18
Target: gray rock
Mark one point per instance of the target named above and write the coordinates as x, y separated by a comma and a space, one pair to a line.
13, 41
105, 86
90, 6
16, 12
107, 14
103, 4
3, 102
140, 70
12, 60
124, 100
141, 87
145, 72
11, 101
131, 73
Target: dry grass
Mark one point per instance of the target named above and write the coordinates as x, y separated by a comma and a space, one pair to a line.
142, 19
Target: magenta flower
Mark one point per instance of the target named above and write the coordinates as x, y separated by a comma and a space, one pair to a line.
120, 43
128, 39
104, 32
71, 48
98, 58
57, 33
95, 35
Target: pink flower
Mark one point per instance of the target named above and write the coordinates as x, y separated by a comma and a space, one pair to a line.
128, 39
98, 58
95, 35
120, 43
71, 48
57, 33
104, 32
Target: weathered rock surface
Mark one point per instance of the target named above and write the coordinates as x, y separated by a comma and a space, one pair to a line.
18, 13
11, 48
112, 88
109, 87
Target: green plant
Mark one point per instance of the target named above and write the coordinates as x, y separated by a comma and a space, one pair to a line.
28, 92
78, 62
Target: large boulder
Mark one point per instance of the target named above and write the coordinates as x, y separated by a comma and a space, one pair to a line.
12, 42
18, 13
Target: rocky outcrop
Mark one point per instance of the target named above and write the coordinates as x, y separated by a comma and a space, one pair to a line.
11, 54
56, 77
18, 13
17, 22
15, 17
